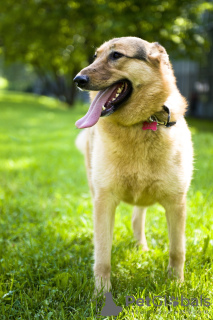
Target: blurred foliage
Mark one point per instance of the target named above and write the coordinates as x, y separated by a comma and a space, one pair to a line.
19, 76
58, 37
3, 83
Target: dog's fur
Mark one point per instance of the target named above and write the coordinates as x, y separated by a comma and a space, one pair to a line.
126, 163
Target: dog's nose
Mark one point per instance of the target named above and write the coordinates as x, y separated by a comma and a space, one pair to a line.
81, 81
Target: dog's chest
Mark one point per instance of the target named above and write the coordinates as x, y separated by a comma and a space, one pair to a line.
139, 180
133, 173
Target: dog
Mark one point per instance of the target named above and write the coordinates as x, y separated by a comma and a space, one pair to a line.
137, 145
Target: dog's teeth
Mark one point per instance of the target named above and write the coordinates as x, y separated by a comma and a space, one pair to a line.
119, 90
103, 108
113, 99
117, 95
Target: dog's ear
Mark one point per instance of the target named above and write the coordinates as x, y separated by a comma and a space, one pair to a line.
158, 53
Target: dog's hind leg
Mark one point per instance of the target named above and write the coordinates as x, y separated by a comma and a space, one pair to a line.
138, 224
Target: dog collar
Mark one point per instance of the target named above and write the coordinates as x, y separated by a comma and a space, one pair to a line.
154, 121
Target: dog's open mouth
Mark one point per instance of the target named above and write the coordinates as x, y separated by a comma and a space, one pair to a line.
121, 92
105, 103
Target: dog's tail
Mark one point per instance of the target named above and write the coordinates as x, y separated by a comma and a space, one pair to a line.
81, 141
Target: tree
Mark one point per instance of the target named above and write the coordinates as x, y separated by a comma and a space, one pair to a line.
58, 37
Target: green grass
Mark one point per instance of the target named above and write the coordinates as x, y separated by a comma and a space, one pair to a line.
46, 225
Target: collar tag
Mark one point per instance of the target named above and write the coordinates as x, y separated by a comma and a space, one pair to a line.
150, 125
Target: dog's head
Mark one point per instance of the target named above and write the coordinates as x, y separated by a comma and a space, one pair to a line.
126, 71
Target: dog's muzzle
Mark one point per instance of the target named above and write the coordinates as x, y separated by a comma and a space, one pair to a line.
81, 81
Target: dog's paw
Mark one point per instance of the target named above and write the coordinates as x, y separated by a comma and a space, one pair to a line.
143, 246
175, 274
102, 285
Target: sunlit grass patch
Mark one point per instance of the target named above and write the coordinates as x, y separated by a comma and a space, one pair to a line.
46, 225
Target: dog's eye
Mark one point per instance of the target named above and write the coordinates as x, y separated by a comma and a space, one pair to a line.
116, 55
95, 56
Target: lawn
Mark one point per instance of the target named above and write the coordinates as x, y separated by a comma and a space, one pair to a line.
46, 225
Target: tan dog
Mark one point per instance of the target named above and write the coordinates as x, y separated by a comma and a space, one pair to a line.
129, 156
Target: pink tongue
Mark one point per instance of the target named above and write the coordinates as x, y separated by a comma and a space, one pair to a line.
95, 109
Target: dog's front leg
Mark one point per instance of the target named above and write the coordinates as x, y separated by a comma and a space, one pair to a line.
104, 214
176, 215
